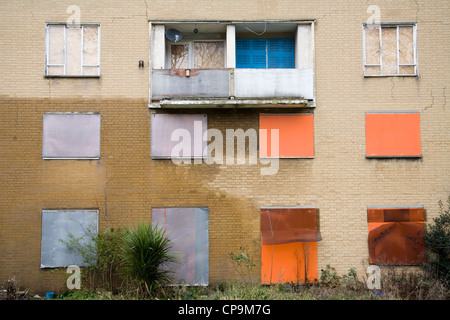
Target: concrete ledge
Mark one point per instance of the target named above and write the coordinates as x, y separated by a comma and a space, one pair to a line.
230, 103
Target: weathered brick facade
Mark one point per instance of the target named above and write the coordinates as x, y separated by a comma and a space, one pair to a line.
125, 183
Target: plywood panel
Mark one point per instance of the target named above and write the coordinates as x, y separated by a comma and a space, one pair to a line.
56, 44
406, 45
179, 56
389, 50
90, 46
73, 51
372, 45
209, 55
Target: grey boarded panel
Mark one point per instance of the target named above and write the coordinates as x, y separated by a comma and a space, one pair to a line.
56, 227
270, 83
168, 84
188, 229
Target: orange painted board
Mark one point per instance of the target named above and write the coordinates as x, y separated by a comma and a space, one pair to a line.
286, 263
296, 135
393, 135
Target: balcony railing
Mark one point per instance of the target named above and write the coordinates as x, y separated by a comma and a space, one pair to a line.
231, 87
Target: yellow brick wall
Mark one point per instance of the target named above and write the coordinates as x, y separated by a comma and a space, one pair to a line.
126, 183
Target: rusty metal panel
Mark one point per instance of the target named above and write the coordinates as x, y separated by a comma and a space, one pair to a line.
288, 225
177, 83
396, 236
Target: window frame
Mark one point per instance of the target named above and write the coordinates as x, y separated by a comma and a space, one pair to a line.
191, 54
66, 26
415, 51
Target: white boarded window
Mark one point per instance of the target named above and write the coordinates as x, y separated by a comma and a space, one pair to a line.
187, 228
390, 50
178, 136
71, 136
57, 226
72, 50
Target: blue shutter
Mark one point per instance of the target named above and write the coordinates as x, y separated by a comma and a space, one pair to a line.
243, 53
265, 53
251, 53
281, 53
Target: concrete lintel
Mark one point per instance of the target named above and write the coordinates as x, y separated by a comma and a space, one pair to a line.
228, 103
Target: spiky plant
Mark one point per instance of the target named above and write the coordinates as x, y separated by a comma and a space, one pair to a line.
146, 252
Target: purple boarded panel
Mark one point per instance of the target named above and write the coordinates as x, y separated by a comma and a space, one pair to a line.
71, 136
178, 136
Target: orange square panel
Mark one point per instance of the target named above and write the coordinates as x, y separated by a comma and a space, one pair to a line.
295, 135
393, 135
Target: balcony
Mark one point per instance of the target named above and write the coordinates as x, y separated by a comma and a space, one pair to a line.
177, 81
232, 87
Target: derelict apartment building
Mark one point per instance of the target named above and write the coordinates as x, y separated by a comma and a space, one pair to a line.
312, 133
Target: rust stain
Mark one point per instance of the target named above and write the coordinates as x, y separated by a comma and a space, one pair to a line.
182, 72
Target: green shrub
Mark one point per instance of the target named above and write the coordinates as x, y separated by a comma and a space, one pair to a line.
244, 263
437, 242
101, 257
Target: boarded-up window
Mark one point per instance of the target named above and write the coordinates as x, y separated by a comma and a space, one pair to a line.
289, 245
198, 55
179, 56
71, 136
295, 131
390, 50
59, 227
396, 236
209, 55
187, 228
178, 136
72, 50
393, 135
